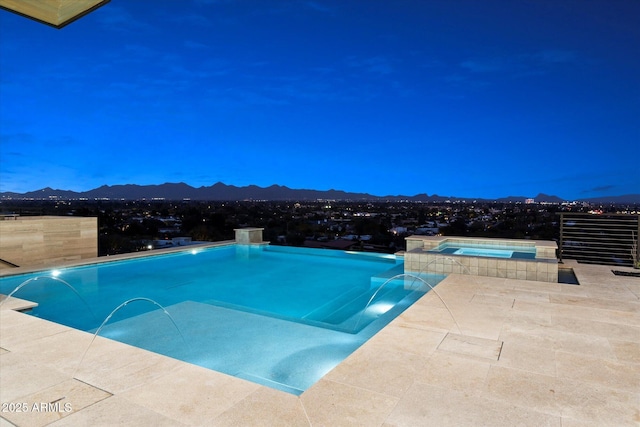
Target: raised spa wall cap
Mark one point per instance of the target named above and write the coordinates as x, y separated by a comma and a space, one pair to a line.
249, 236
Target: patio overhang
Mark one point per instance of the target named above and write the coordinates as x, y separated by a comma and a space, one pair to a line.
56, 13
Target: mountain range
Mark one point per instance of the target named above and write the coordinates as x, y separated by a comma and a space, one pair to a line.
221, 191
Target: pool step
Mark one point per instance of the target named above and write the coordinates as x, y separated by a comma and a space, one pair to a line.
388, 288
331, 306
350, 304
388, 296
353, 301
380, 278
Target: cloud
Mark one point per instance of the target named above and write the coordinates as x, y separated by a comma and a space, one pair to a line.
139, 51
539, 62
16, 140
601, 189
119, 19
380, 65
431, 63
190, 44
317, 6
209, 2
255, 98
262, 90
26, 164
483, 66
550, 56
190, 19
239, 98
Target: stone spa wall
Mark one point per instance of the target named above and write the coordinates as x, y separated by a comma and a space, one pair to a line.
422, 256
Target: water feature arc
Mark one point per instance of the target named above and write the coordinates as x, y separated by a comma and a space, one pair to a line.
56, 279
114, 311
417, 277
398, 276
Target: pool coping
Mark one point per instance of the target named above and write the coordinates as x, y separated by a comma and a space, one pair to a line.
517, 352
110, 258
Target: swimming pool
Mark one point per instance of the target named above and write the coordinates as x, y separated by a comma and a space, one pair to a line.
278, 316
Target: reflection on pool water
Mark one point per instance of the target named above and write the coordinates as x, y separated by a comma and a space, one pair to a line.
498, 253
520, 252
278, 316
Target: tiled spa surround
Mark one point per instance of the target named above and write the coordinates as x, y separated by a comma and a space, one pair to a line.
422, 257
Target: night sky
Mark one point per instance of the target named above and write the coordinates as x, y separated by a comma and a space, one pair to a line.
459, 98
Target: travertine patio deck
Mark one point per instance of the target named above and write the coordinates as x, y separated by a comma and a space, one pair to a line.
518, 353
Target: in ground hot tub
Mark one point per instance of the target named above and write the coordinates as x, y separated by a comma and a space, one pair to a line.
508, 258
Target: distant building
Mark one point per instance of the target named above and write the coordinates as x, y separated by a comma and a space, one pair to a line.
176, 241
398, 230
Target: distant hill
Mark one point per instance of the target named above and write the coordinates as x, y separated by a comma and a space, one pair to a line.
221, 191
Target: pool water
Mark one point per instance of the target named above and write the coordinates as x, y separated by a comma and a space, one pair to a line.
519, 252
282, 317
497, 253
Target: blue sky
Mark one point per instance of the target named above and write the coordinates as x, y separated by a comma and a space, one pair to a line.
451, 97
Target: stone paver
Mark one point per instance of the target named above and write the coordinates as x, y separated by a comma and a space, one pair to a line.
479, 352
